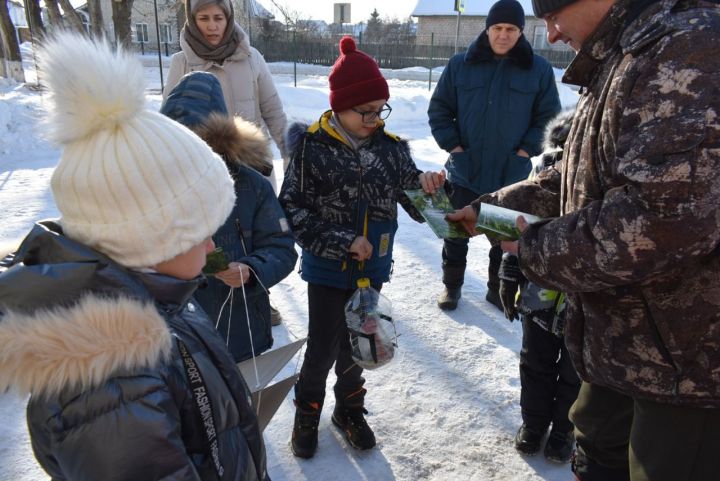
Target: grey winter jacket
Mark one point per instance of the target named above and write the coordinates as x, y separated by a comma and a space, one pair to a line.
637, 245
112, 359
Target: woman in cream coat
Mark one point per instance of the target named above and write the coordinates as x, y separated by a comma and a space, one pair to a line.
211, 41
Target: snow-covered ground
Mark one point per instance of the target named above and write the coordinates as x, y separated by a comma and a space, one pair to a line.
446, 409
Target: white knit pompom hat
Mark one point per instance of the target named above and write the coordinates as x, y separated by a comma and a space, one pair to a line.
131, 183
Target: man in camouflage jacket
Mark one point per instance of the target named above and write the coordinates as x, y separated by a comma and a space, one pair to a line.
637, 242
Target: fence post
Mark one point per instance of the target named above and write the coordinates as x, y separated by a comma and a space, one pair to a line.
432, 54
167, 53
295, 56
142, 47
360, 39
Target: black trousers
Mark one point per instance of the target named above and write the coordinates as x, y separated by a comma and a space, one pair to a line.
328, 343
549, 383
454, 253
624, 439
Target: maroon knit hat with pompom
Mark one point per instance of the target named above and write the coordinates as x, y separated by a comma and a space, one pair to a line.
355, 78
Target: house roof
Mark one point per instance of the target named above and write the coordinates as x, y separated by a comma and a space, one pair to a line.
258, 10
428, 8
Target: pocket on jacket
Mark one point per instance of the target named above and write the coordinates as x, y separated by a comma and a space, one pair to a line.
521, 94
517, 168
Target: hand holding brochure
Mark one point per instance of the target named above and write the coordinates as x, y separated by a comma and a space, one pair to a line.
501, 222
434, 208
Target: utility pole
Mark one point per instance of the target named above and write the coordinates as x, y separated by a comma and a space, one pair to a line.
459, 8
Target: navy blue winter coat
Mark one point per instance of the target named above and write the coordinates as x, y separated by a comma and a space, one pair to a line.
492, 107
256, 233
328, 190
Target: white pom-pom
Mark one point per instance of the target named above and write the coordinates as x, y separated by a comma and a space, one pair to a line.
93, 87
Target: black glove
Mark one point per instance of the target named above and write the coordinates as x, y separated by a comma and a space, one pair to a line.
510, 280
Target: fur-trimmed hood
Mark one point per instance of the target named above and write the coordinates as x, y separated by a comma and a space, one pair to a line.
84, 319
557, 130
238, 141
294, 134
81, 346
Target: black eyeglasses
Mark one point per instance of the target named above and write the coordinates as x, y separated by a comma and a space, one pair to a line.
371, 116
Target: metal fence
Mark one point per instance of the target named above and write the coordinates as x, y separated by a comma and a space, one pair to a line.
392, 53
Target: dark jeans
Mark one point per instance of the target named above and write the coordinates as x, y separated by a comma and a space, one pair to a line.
328, 343
454, 253
620, 438
549, 382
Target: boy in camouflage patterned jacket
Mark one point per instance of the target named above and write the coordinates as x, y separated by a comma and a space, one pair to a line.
340, 194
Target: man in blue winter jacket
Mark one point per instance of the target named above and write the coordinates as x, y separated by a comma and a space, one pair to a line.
489, 111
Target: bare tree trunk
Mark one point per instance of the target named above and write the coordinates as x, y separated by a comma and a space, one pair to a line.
97, 26
34, 18
3, 70
122, 17
180, 18
72, 16
13, 60
54, 14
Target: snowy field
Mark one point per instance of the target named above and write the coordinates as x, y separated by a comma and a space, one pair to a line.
446, 409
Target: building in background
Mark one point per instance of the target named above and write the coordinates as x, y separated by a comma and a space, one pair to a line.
438, 20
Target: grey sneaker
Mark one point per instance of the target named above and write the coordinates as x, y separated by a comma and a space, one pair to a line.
275, 317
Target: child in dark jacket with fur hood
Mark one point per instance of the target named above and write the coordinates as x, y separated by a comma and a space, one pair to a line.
256, 238
340, 194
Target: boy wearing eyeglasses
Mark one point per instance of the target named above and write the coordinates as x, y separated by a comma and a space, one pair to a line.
340, 195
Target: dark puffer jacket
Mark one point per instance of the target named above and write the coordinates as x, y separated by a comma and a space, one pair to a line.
328, 189
98, 347
256, 233
637, 246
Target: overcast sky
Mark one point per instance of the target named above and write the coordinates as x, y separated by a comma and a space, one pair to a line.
360, 9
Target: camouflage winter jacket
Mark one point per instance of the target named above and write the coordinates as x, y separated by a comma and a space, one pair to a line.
333, 193
637, 243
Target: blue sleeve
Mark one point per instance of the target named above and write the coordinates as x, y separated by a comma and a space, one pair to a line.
442, 110
273, 256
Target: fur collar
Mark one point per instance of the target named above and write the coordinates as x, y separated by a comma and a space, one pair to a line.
81, 346
480, 51
295, 134
238, 141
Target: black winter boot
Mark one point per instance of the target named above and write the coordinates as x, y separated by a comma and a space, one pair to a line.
527, 440
493, 284
305, 430
351, 420
449, 297
559, 447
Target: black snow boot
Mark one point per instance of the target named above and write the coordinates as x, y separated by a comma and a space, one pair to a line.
527, 440
559, 447
305, 430
351, 420
493, 284
449, 297
493, 297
